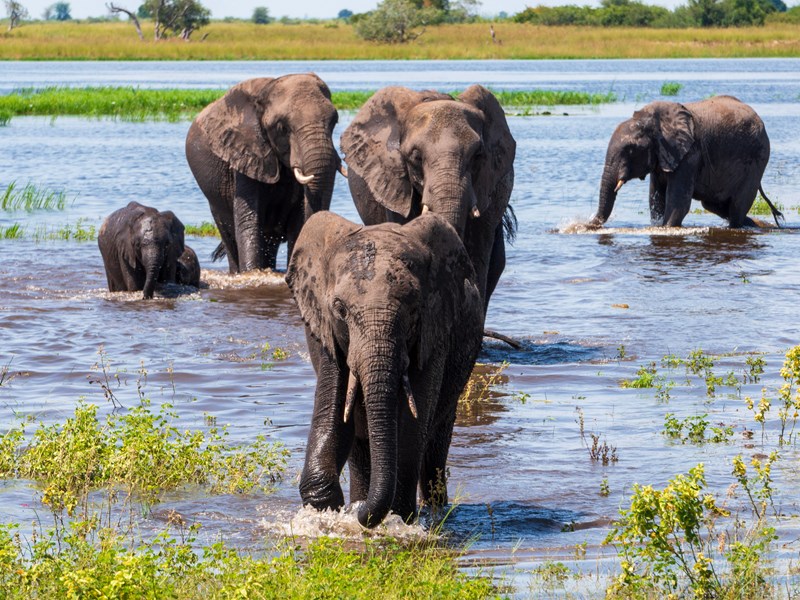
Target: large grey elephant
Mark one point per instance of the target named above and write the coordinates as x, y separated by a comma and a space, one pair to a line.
141, 247
714, 151
393, 321
409, 151
264, 158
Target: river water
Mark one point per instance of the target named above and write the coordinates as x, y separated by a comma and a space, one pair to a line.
590, 308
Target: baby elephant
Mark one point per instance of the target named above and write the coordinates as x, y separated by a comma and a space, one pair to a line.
141, 247
394, 320
188, 268
714, 150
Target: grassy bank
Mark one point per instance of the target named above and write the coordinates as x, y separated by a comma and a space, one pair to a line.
327, 41
139, 104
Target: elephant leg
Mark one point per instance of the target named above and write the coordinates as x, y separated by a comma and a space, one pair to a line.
739, 205
408, 464
329, 438
680, 188
497, 264
658, 199
255, 250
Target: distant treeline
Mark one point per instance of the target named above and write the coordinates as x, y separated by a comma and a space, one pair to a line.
697, 13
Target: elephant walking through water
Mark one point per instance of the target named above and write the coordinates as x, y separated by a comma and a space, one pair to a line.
264, 158
393, 320
714, 151
409, 152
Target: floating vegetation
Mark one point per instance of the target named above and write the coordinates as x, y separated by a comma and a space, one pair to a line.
137, 104
671, 88
11, 232
693, 429
31, 197
205, 229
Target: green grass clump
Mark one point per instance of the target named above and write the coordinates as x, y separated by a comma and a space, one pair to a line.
140, 452
671, 88
30, 198
166, 568
79, 232
135, 104
761, 208
205, 229
11, 232
552, 97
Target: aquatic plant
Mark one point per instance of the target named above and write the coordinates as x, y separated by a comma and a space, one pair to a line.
79, 232
480, 385
671, 88
670, 545
761, 208
89, 562
31, 197
645, 378
205, 229
693, 429
11, 232
603, 453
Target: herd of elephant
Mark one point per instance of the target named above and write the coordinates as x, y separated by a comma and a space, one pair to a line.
394, 310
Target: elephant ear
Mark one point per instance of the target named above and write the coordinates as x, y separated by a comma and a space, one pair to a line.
308, 274
232, 126
453, 304
176, 230
676, 128
371, 145
499, 145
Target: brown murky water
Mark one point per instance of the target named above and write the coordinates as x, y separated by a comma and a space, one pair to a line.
590, 308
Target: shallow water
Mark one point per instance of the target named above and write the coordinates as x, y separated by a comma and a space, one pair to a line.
526, 488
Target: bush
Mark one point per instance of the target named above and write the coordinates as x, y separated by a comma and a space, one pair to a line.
395, 22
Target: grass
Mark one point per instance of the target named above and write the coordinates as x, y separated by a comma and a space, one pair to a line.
31, 197
671, 88
761, 208
205, 229
140, 104
333, 41
11, 232
77, 232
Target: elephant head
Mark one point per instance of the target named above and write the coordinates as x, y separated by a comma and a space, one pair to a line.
385, 303
656, 138
271, 128
188, 268
418, 151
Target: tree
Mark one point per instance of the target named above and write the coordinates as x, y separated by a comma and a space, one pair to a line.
395, 21
113, 9
16, 12
344, 14
60, 11
170, 17
707, 13
261, 15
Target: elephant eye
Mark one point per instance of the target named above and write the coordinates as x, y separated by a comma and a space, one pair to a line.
339, 309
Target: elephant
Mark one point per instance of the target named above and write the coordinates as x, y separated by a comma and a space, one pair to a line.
140, 247
408, 152
393, 318
188, 272
264, 158
714, 151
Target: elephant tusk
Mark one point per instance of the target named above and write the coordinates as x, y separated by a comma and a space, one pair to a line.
302, 178
620, 183
475, 212
352, 390
343, 170
411, 404
425, 208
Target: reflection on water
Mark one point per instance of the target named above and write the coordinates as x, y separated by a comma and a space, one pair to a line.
588, 306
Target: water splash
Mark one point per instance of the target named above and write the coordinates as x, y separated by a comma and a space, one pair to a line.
222, 280
310, 523
586, 228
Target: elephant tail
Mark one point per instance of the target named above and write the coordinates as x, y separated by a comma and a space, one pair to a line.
219, 253
510, 224
776, 214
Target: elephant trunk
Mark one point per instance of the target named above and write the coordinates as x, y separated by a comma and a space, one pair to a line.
153, 259
451, 196
380, 376
609, 186
317, 172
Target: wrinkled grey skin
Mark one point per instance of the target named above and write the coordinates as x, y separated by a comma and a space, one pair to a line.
714, 151
188, 272
140, 247
382, 304
405, 149
243, 150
